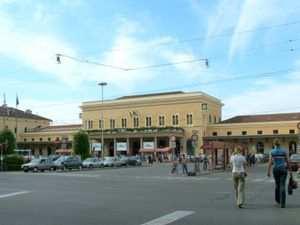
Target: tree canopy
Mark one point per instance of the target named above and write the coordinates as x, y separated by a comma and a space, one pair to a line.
81, 145
8, 138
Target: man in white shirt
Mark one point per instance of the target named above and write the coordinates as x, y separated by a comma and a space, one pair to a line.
239, 174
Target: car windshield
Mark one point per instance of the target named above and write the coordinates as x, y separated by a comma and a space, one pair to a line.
35, 161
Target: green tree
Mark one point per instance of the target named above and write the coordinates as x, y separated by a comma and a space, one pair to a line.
81, 145
7, 137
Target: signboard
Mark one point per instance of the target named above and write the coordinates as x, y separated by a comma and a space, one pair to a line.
148, 145
96, 147
121, 146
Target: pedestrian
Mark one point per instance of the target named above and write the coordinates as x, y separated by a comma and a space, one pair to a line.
205, 162
150, 161
184, 165
239, 174
175, 166
279, 159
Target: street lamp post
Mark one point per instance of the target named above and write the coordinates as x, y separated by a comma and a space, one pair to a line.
102, 84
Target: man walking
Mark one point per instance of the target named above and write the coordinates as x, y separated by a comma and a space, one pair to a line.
239, 174
279, 159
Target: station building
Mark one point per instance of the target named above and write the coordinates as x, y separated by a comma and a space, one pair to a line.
160, 122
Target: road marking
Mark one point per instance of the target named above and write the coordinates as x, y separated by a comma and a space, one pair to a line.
14, 194
169, 218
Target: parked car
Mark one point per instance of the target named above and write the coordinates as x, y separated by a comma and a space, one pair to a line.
118, 162
123, 159
91, 163
294, 162
112, 161
134, 161
68, 162
108, 161
36, 165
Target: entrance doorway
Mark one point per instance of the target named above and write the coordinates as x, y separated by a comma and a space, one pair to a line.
111, 148
135, 146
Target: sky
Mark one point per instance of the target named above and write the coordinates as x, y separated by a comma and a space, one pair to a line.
252, 47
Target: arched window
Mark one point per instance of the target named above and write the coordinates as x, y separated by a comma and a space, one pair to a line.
260, 148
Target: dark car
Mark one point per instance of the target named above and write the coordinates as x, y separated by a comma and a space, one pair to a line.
134, 161
68, 162
294, 162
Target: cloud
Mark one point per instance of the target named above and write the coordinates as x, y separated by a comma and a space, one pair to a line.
272, 97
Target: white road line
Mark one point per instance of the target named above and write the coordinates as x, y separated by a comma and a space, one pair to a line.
14, 194
169, 218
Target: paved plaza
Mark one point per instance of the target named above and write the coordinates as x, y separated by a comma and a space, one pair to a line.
138, 196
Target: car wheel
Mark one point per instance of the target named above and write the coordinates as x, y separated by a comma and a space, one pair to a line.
80, 167
35, 169
25, 170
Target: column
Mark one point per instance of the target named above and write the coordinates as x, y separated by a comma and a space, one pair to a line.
115, 147
128, 147
141, 142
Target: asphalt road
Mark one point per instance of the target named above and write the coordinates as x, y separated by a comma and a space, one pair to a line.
138, 196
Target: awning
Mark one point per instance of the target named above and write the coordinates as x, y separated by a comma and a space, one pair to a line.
160, 150
63, 151
144, 150
164, 150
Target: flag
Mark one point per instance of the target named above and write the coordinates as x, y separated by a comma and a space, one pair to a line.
4, 99
17, 101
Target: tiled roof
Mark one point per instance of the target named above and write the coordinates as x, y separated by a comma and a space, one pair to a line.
57, 128
6, 111
151, 95
263, 118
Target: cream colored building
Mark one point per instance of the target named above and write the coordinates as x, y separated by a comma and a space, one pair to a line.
183, 121
47, 140
258, 131
154, 121
19, 121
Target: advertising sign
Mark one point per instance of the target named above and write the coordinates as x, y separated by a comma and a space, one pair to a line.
96, 147
148, 145
121, 146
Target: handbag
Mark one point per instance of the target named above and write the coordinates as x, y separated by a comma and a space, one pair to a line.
292, 185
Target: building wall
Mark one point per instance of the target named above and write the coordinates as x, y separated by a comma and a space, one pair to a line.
180, 105
22, 124
287, 133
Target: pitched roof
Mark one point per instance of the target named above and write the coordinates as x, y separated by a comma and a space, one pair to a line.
263, 118
6, 111
57, 128
150, 95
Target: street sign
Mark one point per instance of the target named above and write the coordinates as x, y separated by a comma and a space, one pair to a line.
121, 146
96, 147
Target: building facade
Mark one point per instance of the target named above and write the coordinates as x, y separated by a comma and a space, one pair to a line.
181, 122
145, 123
19, 121
258, 131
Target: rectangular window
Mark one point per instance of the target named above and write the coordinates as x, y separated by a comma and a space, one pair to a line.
259, 132
148, 121
275, 131
135, 122
124, 123
244, 132
90, 124
215, 119
204, 106
175, 120
215, 133
229, 133
291, 131
100, 124
189, 119
112, 124
161, 121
